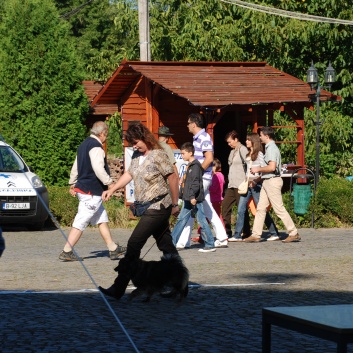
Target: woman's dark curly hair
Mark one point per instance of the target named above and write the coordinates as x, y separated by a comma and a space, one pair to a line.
139, 131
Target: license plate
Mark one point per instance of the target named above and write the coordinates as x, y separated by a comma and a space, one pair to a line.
16, 206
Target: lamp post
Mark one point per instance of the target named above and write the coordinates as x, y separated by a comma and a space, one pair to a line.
313, 80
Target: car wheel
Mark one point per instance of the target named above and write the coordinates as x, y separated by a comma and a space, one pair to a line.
36, 226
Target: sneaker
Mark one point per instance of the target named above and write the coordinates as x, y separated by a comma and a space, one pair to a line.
233, 239
114, 255
292, 239
273, 238
252, 239
221, 244
206, 249
69, 256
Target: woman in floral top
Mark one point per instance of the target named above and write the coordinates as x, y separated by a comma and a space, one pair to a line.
154, 178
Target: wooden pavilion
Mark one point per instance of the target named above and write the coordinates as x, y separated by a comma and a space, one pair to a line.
231, 95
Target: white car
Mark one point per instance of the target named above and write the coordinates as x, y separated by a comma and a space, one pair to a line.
23, 197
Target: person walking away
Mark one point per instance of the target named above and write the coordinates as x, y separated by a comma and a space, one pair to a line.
88, 179
271, 191
163, 137
204, 154
192, 193
236, 176
254, 158
155, 182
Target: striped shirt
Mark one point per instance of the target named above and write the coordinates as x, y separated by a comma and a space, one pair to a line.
203, 143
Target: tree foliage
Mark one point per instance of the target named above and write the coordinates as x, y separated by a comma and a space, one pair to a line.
96, 38
42, 102
106, 31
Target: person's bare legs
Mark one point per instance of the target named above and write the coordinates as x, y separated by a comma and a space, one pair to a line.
107, 236
74, 237
115, 250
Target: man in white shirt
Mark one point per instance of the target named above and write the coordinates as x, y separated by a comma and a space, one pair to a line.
89, 177
204, 154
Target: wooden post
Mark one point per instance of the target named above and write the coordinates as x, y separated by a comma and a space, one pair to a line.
144, 30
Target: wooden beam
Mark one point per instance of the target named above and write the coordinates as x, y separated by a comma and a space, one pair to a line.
149, 108
296, 112
155, 109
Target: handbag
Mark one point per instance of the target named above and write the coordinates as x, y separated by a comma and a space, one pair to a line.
244, 186
139, 208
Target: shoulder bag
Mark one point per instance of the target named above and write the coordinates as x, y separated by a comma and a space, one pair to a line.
244, 186
139, 208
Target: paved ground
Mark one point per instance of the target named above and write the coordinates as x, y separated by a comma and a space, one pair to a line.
50, 306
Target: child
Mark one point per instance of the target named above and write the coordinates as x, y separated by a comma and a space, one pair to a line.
216, 188
192, 193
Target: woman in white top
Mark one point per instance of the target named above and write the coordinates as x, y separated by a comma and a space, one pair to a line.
254, 157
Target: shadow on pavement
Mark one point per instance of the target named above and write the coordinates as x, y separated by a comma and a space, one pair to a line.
276, 277
209, 320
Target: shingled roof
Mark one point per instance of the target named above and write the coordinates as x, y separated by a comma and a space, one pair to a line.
210, 84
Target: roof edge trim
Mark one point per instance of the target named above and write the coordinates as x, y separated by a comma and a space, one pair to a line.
106, 85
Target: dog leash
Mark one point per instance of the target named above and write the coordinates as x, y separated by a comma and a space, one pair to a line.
160, 237
155, 241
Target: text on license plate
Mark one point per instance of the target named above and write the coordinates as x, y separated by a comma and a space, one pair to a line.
16, 206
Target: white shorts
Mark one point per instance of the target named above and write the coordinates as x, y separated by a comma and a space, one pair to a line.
90, 211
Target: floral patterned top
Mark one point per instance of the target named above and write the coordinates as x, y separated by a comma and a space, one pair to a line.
150, 177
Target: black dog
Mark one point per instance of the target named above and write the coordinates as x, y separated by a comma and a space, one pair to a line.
155, 276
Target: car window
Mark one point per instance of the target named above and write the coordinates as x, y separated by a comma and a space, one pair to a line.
10, 161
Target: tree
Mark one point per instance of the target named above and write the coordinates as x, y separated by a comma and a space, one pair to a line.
96, 38
42, 102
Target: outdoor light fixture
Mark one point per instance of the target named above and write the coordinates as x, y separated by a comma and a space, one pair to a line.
312, 77
330, 76
313, 80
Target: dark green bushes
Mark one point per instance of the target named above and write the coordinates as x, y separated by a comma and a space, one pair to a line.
62, 205
331, 207
334, 197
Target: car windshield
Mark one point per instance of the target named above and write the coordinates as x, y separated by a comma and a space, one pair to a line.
10, 161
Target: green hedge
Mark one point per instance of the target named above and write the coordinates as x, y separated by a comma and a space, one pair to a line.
331, 207
334, 197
